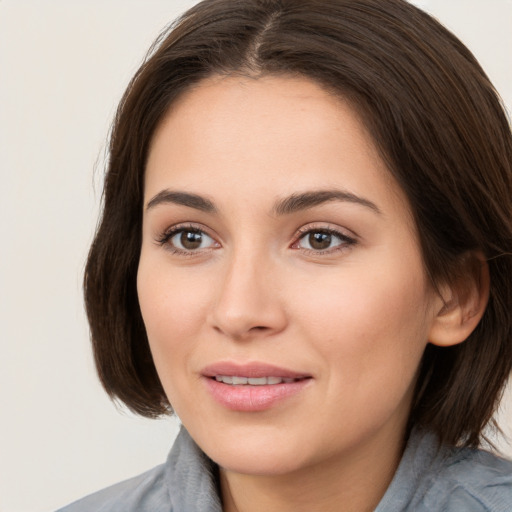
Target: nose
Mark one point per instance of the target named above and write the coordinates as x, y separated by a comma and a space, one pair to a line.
249, 302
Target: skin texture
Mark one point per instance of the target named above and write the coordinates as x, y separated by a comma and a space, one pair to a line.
355, 317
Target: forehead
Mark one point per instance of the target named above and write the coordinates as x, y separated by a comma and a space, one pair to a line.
274, 135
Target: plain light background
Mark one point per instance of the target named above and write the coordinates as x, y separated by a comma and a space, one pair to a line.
63, 67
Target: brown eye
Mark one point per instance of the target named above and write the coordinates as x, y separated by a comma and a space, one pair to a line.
189, 240
323, 240
319, 241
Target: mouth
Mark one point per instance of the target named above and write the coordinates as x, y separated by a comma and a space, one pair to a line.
235, 380
252, 387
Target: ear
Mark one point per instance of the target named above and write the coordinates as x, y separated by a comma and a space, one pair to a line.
462, 303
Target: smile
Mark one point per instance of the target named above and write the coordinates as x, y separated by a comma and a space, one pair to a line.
253, 381
254, 386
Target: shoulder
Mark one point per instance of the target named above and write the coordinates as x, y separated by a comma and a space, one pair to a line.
448, 479
146, 492
472, 480
187, 481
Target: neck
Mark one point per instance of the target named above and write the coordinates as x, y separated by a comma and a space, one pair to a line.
356, 482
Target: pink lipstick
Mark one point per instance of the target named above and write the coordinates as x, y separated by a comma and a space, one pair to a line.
252, 387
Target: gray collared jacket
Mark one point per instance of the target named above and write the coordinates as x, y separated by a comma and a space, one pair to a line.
430, 478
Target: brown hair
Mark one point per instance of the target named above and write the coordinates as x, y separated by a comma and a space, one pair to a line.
437, 121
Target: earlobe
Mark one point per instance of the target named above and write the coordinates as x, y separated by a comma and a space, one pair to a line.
461, 304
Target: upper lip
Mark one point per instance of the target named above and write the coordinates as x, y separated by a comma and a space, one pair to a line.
253, 369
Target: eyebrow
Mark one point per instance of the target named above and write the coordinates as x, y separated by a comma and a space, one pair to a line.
291, 204
182, 198
306, 200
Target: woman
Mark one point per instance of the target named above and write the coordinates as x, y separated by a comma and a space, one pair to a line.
306, 250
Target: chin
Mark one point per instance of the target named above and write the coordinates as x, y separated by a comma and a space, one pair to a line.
257, 464
256, 452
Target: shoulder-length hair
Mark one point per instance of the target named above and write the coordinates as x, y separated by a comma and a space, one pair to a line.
437, 121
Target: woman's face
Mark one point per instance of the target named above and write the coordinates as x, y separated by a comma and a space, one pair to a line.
280, 279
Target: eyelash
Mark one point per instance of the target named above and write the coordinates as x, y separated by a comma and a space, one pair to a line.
165, 238
345, 241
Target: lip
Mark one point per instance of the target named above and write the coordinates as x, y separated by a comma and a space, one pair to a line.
247, 398
255, 369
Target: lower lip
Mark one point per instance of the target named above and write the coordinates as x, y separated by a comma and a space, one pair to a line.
246, 398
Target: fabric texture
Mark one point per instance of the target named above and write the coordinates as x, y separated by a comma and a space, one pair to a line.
429, 478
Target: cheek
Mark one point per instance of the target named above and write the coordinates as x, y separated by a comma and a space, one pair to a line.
373, 326
173, 306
